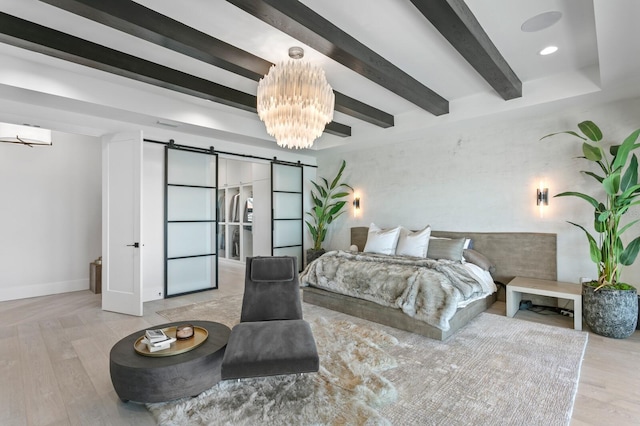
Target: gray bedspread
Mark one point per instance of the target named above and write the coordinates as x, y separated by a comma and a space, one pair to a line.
425, 289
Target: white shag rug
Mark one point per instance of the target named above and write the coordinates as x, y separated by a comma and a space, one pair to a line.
494, 371
347, 389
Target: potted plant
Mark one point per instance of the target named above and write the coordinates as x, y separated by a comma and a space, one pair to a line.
328, 204
610, 306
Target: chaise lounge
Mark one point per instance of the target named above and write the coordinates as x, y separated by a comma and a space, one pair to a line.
271, 338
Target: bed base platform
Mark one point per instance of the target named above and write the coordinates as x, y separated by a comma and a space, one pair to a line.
393, 317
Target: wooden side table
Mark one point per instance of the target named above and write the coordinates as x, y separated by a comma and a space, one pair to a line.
558, 289
95, 277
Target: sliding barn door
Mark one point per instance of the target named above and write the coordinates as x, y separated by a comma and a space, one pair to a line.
191, 226
287, 210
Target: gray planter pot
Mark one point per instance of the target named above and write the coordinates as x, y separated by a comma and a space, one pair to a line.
314, 254
610, 313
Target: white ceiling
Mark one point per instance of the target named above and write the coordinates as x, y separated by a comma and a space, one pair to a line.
598, 57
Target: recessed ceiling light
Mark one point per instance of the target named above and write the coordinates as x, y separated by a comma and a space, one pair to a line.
541, 21
548, 50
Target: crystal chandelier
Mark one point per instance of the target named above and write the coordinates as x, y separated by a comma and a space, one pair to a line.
295, 101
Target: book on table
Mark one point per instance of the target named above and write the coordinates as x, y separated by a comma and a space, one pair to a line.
156, 335
165, 344
157, 340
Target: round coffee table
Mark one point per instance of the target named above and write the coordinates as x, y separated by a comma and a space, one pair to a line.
140, 378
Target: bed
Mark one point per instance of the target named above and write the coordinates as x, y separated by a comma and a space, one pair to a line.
511, 254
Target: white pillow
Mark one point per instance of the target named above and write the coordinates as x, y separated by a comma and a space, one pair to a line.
413, 244
383, 241
467, 243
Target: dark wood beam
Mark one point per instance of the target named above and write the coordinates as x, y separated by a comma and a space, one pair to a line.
362, 111
337, 129
137, 20
299, 21
459, 26
28, 35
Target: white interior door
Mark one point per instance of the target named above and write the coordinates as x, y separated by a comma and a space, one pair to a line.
122, 223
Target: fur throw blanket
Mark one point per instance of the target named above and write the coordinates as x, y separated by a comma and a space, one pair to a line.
425, 289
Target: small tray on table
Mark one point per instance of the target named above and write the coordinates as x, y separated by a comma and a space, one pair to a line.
180, 346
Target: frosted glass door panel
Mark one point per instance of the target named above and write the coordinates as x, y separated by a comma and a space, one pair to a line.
190, 239
191, 168
191, 274
287, 233
186, 203
287, 215
191, 261
287, 205
247, 243
290, 251
287, 178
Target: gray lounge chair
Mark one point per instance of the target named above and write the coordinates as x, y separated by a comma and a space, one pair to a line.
272, 338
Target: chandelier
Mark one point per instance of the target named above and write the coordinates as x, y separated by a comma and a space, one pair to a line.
295, 101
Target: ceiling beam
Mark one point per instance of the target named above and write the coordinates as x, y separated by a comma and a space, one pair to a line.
140, 21
459, 26
294, 18
28, 35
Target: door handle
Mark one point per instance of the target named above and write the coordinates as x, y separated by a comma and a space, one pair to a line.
136, 245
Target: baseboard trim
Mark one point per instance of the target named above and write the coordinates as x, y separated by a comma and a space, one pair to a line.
43, 289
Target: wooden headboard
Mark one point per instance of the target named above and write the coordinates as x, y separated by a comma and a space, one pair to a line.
522, 254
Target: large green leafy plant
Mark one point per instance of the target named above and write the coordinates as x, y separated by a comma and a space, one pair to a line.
618, 176
328, 204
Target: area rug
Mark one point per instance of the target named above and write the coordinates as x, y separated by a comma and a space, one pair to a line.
347, 389
495, 370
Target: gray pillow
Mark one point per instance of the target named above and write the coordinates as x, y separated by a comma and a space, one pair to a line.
479, 259
446, 249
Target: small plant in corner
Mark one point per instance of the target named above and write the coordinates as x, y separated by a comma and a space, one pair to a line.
621, 192
328, 204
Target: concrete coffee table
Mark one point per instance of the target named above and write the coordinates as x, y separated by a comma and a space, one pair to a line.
140, 378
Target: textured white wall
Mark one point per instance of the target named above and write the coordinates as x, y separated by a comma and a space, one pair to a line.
50, 216
482, 177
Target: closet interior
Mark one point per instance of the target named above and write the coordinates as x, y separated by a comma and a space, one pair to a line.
244, 209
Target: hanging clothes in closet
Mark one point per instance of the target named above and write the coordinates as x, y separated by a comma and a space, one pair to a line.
235, 242
221, 209
247, 217
235, 208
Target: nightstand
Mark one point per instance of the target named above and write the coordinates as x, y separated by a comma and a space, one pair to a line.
558, 289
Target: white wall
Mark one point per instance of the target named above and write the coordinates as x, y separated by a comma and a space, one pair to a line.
50, 216
482, 177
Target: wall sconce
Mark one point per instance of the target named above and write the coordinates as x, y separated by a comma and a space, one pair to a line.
542, 196
356, 206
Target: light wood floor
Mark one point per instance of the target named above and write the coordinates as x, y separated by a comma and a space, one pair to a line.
54, 361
